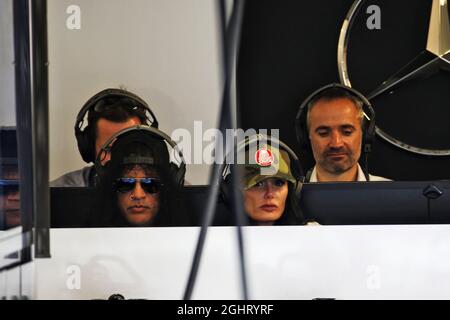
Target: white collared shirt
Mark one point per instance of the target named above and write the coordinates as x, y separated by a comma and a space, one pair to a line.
361, 177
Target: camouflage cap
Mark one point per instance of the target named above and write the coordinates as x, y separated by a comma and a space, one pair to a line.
269, 162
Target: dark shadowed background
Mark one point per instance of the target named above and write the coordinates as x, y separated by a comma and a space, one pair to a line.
289, 49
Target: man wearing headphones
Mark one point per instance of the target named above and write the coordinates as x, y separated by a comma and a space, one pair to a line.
107, 112
139, 186
336, 129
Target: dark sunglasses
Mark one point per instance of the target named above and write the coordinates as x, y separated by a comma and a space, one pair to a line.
150, 185
9, 186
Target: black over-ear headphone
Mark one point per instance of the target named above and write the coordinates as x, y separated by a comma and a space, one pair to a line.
368, 123
86, 137
176, 172
254, 141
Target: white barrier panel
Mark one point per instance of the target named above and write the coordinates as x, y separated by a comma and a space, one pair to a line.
342, 262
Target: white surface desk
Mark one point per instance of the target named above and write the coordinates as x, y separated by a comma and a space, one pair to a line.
290, 262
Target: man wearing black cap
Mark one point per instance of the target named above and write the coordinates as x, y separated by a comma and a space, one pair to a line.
137, 186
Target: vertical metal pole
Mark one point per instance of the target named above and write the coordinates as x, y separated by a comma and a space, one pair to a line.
230, 41
39, 55
30, 46
23, 118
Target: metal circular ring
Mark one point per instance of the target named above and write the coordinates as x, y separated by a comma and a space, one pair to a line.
345, 79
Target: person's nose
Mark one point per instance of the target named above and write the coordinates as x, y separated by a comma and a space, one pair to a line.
269, 191
138, 191
336, 139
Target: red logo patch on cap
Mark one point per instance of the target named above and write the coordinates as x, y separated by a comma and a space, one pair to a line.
264, 157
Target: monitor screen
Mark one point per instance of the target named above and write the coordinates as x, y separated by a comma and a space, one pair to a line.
376, 202
350, 203
73, 207
440, 207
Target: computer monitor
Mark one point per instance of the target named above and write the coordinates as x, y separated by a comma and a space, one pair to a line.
440, 207
76, 207
72, 207
350, 203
